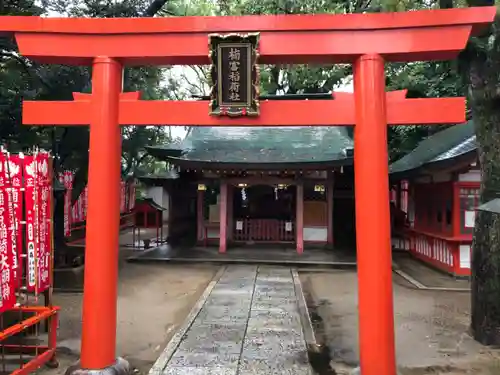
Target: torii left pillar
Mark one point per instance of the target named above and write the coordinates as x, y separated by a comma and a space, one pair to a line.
98, 348
373, 239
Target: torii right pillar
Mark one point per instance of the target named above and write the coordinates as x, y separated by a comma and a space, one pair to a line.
374, 258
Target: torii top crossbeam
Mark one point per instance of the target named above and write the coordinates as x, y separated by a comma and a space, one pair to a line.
405, 36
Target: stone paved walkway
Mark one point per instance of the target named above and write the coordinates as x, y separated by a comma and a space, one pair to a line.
249, 325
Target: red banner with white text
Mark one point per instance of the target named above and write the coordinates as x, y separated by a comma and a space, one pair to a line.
44, 202
38, 221
7, 281
14, 174
30, 200
122, 197
68, 217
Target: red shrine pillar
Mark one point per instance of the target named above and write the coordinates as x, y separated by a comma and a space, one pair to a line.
230, 212
299, 218
223, 217
98, 348
373, 238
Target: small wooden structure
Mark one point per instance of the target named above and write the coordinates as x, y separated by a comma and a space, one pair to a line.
148, 214
439, 183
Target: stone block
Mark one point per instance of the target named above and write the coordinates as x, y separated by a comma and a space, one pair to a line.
265, 303
216, 332
267, 367
200, 371
275, 350
183, 358
215, 314
228, 301
210, 346
264, 335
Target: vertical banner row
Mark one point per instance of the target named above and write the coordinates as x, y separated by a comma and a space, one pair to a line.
77, 212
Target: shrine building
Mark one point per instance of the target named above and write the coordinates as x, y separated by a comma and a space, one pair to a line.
437, 186
260, 185
276, 185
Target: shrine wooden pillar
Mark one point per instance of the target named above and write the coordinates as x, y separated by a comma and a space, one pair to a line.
455, 213
329, 209
98, 349
223, 216
373, 233
200, 215
299, 218
398, 195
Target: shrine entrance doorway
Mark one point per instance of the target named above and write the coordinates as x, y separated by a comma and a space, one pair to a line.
264, 213
367, 41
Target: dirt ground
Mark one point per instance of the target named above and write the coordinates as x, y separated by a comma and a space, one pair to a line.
153, 300
431, 327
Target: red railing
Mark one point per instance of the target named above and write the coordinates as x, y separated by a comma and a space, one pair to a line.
265, 230
449, 254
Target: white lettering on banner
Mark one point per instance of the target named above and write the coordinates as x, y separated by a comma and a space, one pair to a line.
31, 264
5, 291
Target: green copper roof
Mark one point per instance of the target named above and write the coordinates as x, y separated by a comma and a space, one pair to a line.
444, 145
263, 145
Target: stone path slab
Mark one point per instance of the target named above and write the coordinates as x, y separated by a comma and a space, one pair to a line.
249, 325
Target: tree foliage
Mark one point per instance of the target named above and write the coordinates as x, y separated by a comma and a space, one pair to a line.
23, 79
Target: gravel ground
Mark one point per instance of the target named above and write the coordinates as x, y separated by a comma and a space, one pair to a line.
431, 327
153, 300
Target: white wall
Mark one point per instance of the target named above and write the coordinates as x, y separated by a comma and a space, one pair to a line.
316, 234
160, 196
471, 176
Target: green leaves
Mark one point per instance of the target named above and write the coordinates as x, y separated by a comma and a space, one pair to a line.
21, 79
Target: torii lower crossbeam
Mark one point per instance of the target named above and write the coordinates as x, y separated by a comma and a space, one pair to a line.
365, 40
338, 112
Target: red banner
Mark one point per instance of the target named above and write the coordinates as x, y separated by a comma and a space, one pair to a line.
44, 199
30, 200
7, 282
122, 197
13, 172
85, 203
131, 200
80, 208
68, 185
38, 237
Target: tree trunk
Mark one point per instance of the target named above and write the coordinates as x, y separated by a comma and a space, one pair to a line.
484, 67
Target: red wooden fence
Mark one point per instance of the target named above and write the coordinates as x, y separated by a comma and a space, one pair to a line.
266, 230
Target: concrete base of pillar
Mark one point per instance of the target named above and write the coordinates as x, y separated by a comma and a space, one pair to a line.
121, 367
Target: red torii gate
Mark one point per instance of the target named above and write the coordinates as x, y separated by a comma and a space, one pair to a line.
366, 40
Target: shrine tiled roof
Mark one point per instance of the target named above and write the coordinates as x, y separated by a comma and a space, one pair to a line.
242, 145
445, 145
